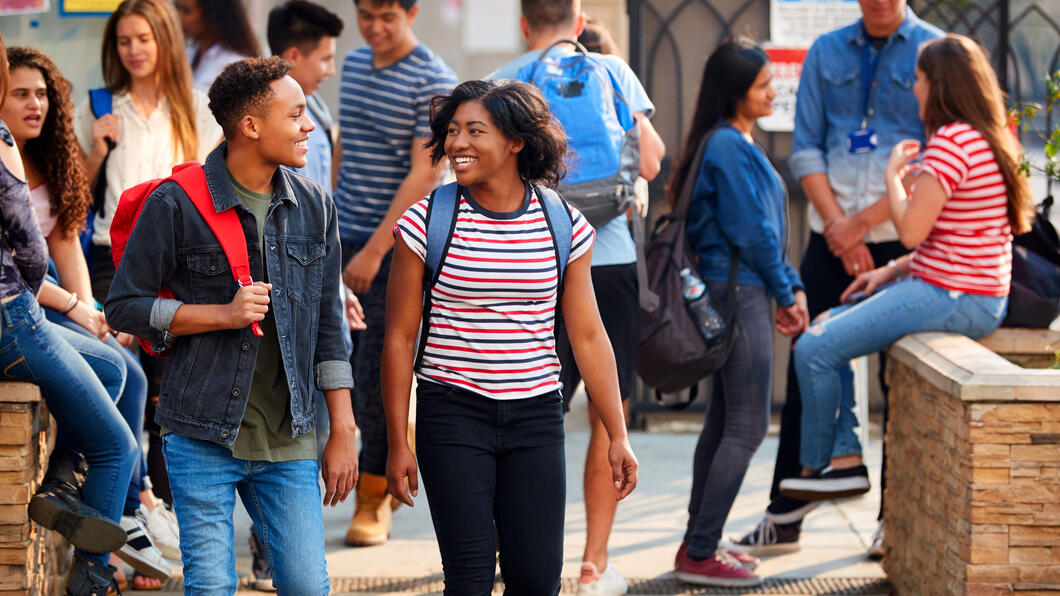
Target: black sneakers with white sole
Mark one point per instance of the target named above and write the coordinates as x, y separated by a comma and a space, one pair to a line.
828, 484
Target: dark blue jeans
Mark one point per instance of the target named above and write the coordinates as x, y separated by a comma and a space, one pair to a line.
494, 465
736, 422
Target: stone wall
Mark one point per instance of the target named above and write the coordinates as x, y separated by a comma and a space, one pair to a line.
973, 471
33, 561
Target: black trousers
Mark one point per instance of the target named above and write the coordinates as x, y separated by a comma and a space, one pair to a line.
825, 279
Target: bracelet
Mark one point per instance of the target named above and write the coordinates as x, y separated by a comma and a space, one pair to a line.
893, 264
70, 304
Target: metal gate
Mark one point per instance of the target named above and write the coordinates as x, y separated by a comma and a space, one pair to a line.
671, 39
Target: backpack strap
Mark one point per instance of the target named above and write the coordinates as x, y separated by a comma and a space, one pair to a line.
560, 225
101, 101
225, 225
443, 207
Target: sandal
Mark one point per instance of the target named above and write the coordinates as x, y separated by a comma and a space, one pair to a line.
146, 583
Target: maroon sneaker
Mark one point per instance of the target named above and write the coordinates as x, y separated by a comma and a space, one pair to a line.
719, 570
749, 562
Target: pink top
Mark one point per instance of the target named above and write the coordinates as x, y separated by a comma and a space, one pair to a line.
969, 249
41, 200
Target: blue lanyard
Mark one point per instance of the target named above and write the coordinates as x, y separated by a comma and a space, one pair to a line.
869, 64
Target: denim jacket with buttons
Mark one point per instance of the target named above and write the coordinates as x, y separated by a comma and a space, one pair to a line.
207, 376
830, 104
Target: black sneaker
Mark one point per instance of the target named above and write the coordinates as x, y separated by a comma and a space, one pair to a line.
785, 510
58, 505
828, 484
769, 538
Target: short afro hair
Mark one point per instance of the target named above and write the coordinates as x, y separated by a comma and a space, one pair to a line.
242, 88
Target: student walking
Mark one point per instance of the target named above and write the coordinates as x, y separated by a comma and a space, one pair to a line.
614, 268
489, 436
384, 105
81, 501
253, 433
218, 33
967, 200
738, 205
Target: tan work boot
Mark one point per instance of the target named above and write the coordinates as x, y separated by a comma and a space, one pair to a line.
372, 515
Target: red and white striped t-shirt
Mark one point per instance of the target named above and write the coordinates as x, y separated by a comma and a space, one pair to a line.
969, 249
493, 309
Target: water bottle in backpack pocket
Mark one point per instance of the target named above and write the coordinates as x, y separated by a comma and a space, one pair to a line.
697, 298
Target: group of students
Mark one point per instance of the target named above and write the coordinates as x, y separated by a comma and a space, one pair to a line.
524, 298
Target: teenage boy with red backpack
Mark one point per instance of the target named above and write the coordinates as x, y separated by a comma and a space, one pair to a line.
238, 409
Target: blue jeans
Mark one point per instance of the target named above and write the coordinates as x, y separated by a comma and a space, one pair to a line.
494, 469
736, 421
282, 498
130, 401
823, 354
68, 367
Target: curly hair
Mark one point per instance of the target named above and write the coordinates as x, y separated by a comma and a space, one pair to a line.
244, 87
55, 152
520, 112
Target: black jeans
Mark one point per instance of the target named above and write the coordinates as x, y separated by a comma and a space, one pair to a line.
365, 359
825, 279
494, 469
736, 421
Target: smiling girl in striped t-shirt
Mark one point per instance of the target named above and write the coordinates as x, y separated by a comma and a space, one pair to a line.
489, 431
967, 201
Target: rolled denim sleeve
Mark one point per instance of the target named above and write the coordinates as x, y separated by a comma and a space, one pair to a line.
133, 305
811, 126
333, 369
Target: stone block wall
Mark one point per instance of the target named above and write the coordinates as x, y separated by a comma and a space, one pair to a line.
973, 472
33, 561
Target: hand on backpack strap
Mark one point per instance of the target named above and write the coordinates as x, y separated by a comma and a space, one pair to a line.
249, 305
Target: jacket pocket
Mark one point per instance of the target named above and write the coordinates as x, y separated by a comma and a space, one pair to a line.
305, 264
210, 277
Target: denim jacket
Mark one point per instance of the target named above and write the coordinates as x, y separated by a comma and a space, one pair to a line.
207, 378
23, 252
830, 105
739, 200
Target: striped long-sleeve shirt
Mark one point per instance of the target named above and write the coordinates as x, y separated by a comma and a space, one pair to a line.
381, 111
493, 310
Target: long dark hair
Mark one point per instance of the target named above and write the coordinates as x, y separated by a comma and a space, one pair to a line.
520, 112
227, 23
729, 73
962, 87
55, 152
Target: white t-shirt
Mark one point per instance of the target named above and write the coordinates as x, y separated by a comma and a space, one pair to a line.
144, 149
211, 63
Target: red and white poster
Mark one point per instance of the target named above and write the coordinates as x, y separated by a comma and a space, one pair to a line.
787, 68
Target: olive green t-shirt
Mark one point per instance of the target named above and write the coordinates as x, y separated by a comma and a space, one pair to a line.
265, 433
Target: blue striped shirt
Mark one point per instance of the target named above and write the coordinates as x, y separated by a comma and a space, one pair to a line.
381, 110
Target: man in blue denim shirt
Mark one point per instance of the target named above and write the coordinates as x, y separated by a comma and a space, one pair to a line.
238, 410
855, 102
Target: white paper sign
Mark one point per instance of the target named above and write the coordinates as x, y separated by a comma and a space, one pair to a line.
796, 23
787, 68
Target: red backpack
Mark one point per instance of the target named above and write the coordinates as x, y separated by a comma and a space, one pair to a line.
225, 226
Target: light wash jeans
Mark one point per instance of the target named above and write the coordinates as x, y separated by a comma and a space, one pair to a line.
282, 498
824, 352
80, 379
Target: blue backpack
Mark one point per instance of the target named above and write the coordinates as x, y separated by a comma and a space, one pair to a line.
101, 101
601, 130
442, 212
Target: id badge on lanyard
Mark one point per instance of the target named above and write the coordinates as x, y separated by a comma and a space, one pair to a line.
863, 140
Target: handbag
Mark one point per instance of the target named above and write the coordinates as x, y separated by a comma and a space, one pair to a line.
673, 354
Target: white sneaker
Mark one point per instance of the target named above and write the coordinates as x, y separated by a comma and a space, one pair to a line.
594, 583
876, 550
140, 552
161, 525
